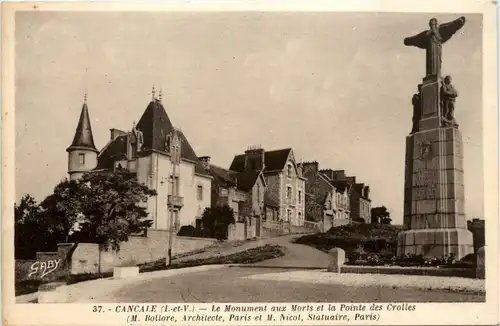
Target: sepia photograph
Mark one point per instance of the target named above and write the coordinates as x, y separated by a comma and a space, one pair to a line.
203, 157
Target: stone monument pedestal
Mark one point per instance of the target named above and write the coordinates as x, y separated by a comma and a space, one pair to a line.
434, 217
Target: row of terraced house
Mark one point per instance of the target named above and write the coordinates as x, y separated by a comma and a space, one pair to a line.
268, 190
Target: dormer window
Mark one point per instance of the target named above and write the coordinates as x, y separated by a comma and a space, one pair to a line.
289, 171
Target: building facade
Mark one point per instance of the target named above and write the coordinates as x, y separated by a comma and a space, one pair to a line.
325, 203
242, 191
146, 151
285, 183
359, 201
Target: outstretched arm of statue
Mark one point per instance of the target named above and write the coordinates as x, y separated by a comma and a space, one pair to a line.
448, 29
420, 40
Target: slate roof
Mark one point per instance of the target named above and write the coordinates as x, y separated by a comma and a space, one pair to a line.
83, 135
273, 160
243, 180
155, 126
246, 180
340, 185
116, 150
223, 176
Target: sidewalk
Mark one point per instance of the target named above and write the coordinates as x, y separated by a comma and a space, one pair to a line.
427, 283
91, 291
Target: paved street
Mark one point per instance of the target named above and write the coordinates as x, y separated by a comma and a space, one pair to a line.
230, 285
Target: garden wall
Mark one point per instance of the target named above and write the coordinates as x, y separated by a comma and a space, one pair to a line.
248, 229
137, 250
87, 257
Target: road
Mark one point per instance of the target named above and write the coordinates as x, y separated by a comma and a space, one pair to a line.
297, 255
230, 285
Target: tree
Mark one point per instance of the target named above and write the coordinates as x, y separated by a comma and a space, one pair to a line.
27, 210
64, 206
215, 221
380, 215
104, 208
313, 210
32, 230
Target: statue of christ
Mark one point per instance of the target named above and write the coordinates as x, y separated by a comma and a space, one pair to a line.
431, 41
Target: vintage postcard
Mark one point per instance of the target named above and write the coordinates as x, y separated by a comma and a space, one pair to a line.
250, 163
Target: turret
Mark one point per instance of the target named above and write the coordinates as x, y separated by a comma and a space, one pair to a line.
82, 153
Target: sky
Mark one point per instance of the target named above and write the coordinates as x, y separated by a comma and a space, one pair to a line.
336, 87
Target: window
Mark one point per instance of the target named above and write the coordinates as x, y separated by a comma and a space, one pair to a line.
289, 171
174, 185
288, 192
199, 193
300, 197
300, 218
81, 158
288, 215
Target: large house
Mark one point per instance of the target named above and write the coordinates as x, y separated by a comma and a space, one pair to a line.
146, 151
285, 183
327, 202
242, 191
359, 196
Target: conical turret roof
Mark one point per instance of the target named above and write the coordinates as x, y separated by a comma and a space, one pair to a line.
83, 136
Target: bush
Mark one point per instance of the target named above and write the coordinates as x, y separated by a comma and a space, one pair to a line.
374, 238
215, 221
409, 260
187, 231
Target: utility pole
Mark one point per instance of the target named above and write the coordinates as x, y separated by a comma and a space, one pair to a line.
175, 158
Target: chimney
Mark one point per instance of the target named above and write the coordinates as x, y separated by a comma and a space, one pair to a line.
310, 167
351, 180
115, 133
205, 160
327, 173
366, 192
339, 174
254, 158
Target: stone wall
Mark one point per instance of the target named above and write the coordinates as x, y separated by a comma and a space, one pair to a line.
247, 229
271, 229
236, 231
274, 188
340, 222
87, 258
47, 266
